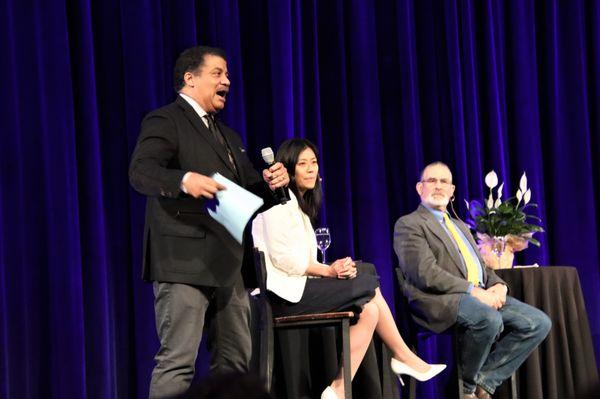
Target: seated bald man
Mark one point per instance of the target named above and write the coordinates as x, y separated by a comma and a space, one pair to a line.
447, 284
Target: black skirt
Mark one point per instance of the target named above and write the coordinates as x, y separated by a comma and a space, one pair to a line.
322, 295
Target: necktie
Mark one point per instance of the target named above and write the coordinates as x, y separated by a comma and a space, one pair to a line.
470, 262
214, 129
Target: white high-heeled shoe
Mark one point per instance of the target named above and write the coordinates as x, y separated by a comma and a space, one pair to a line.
329, 393
400, 368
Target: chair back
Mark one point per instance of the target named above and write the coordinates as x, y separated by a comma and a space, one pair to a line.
265, 322
261, 270
404, 319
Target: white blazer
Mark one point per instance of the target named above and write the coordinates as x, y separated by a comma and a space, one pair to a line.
284, 233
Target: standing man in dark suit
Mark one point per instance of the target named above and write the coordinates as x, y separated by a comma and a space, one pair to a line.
447, 283
192, 260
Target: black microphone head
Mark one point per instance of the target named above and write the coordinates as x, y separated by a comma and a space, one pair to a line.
267, 155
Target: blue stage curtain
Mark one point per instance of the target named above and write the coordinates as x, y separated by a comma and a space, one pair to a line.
382, 87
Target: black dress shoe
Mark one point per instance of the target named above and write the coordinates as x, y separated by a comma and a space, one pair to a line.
481, 393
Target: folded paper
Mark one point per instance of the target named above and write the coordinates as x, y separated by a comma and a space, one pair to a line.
234, 206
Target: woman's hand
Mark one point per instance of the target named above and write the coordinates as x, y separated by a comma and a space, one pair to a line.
344, 268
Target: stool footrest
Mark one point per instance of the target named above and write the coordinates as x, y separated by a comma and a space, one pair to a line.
313, 317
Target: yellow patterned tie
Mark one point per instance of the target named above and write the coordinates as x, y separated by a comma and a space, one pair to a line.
472, 269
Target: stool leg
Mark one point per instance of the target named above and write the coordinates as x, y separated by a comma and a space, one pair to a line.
412, 384
460, 381
346, 358
457, 363
513, 386
412, 388
270, 357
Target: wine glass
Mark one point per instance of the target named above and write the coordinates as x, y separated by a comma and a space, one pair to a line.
323, 240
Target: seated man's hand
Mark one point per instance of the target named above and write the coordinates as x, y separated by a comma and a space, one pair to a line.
500, 290
276, 176
489, 298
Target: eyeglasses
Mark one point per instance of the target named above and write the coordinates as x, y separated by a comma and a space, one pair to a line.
433, 181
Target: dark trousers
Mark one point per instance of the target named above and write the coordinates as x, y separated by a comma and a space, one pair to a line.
180, 311
526, 327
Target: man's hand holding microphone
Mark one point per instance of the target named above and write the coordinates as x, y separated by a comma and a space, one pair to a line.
276, 176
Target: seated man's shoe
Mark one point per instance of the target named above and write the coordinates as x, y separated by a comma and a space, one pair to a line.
481, 393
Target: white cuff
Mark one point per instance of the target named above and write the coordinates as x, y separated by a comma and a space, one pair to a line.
181, 185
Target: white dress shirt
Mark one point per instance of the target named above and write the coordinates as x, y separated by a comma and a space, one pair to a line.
201, 113
284, 233
199, 110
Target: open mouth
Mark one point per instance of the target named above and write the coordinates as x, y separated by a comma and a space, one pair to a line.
222, 94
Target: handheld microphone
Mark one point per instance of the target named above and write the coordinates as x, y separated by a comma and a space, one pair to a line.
281, 193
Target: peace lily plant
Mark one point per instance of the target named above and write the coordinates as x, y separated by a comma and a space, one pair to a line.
502, 226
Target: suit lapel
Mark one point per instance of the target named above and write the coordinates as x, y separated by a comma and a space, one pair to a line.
201, 128
436, 228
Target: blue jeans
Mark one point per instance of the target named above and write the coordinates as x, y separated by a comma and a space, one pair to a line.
479, 327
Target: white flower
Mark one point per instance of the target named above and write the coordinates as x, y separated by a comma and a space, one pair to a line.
523, 183
490, 202
466, 203
491, 179
519, 196
497, 203
500, 191
527, 196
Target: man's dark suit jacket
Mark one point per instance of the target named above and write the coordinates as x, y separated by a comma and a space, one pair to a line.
434, 270
182, 242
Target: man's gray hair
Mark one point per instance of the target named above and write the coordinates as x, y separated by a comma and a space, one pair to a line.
436, 163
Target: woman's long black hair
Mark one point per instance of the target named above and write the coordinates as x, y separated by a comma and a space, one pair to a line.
288, 154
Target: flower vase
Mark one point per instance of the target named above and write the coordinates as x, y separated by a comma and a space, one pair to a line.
499, 252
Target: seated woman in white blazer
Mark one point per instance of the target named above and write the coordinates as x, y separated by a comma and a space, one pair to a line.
285, 234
